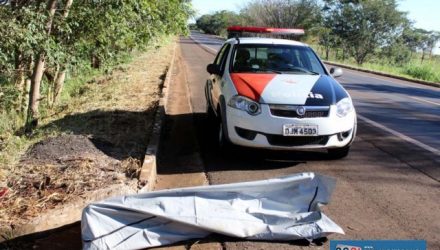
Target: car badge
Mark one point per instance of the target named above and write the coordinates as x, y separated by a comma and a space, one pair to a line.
289, 81
301, 111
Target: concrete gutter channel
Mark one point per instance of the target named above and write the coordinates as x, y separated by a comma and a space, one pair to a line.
70, 213
148, 173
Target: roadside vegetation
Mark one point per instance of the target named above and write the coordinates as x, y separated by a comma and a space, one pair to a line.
95, 140
50, 49
79, 85
371, 34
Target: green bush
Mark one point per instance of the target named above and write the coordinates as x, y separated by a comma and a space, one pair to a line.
424, 72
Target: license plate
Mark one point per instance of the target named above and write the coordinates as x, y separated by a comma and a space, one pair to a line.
300, 130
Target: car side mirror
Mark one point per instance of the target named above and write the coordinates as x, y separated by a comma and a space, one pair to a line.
213, 69
336, 72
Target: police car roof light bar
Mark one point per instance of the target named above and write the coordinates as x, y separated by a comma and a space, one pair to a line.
239, 30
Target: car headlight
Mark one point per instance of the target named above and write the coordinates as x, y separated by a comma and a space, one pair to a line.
344, 107
245, 104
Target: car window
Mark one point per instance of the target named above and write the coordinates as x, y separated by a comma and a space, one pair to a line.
275, 58
223, 57
220, 54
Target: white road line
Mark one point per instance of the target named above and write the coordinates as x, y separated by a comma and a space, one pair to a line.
204, 46
353, 79
400, 135
423, 100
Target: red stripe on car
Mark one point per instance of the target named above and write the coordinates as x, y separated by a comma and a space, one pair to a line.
251, 85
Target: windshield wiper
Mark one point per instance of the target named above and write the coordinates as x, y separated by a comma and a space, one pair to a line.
312, 72
274, 71
266, 70
297, 69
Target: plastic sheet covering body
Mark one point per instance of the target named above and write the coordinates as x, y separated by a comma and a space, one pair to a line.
286, 208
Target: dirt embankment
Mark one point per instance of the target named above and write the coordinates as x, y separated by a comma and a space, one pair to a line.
95, 140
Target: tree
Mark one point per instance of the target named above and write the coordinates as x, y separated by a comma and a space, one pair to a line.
218, 22
433, 38
282, 13
365, 25
42, 40
38, 71
425, 42
327, 39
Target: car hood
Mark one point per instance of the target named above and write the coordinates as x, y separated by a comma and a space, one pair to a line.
310, 90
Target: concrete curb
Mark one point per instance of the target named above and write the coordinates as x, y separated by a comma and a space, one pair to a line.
148, 173
66, 214
432, 84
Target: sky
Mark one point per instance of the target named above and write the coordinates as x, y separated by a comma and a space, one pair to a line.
425, 13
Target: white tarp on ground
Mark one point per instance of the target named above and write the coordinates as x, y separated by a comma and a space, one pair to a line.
284, 208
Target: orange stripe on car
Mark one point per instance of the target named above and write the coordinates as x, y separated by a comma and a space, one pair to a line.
251, 85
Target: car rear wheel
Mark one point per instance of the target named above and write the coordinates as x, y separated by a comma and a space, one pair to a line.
338, 153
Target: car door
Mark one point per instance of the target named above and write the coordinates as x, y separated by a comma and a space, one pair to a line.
216, 80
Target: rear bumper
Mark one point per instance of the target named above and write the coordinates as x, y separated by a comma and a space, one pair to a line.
266, 130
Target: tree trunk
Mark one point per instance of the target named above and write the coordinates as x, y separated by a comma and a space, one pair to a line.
59, 83
67, 8
51, 77
327, 50
34, 94
25, 100
423, 56
95, 62
60, 75
19, 79
27, 87
20, 83
37, 75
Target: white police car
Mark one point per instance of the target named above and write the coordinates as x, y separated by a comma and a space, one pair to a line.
277, 94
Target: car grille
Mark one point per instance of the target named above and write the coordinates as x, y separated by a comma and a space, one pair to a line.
290, 111
279, 140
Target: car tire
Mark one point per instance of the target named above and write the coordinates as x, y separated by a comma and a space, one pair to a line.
338, 153
222, 143
210, 127
210, 115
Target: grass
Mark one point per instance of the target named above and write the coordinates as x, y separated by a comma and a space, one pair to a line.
115, 108
85, 91
429, 70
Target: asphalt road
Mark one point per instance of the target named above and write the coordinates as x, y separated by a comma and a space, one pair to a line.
387, 188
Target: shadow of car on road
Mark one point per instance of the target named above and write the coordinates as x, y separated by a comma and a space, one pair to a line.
236, 158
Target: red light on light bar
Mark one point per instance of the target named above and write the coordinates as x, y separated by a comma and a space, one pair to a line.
280, 31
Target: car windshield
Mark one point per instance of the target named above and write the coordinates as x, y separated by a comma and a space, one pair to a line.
281, 59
